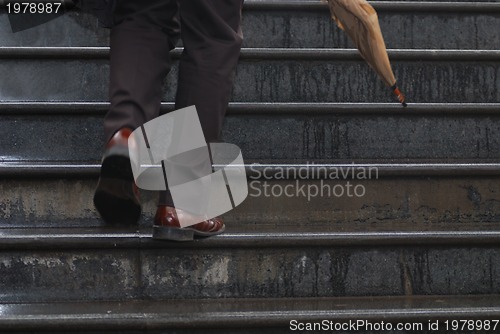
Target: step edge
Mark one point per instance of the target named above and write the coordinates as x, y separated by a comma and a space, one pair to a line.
71, 108
383, 6
310, 54
48, 238
320, 171
257, 171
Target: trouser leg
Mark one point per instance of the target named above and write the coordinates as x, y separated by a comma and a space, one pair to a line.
143, 35
211, 34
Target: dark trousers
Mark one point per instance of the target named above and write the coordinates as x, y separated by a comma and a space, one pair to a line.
143, 34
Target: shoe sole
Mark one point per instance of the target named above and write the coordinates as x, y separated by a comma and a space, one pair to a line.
181, 234
114, 197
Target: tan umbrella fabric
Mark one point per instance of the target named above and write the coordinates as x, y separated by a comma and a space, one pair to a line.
360, 21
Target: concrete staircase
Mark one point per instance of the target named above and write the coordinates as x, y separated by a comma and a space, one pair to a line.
420, 245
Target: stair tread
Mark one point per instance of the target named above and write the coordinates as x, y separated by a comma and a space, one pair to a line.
244, 312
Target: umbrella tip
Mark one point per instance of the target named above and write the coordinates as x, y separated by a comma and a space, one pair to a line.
399, 95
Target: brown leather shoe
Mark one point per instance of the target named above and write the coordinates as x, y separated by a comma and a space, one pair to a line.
116, 197
167, 226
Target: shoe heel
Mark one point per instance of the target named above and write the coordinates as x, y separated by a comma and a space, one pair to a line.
116, 202
172, 233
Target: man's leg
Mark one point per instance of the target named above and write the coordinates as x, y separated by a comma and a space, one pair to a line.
141, 39
212, 38
211, 33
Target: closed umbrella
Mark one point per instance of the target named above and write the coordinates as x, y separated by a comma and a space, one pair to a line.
360, 21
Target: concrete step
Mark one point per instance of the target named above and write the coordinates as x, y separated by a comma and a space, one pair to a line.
420, 195
274, 131
406, 24
254, 315
268, 75
49, 265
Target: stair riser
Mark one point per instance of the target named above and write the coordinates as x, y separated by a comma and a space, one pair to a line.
299, 137
270, 81
396, 136
295, 28
399, 203
255, 272
353, 81
401, 30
